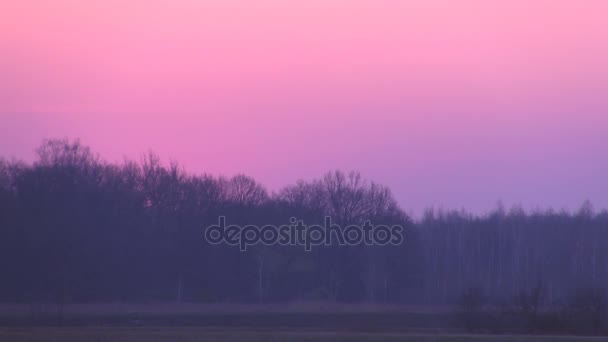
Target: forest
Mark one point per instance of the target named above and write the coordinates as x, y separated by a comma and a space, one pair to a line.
75, 228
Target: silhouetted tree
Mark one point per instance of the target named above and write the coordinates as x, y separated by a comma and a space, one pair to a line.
76, 228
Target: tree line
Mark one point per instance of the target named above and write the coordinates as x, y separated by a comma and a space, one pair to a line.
75, 228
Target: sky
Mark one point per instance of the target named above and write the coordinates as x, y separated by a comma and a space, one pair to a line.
452, 104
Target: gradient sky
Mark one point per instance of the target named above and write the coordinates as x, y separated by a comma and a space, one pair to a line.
450, 103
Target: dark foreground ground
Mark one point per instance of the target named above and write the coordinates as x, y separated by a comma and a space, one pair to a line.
308, 317
186, 334
226, 323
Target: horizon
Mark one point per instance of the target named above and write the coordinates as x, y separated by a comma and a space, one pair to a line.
499, 205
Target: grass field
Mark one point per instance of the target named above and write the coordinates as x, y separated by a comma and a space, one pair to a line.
114, 334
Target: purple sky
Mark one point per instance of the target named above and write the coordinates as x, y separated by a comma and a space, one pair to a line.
451, 104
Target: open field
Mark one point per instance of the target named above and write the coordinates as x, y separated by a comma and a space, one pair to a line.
225, 323
115, 334
261, 322
227, 308
300, 316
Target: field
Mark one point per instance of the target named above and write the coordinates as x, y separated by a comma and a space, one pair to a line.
227, 323
148, 334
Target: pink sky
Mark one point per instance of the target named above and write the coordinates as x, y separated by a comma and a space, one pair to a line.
450, 103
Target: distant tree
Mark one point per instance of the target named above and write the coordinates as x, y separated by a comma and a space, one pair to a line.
528, 303
471, 305
587, 310
244, 191
75, 228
